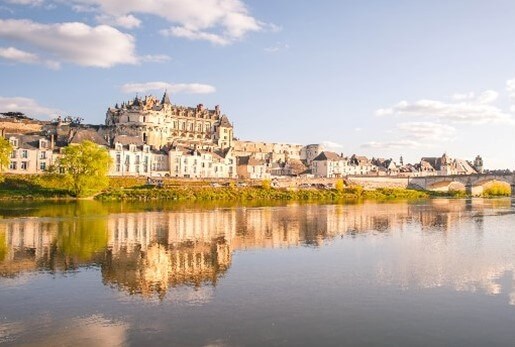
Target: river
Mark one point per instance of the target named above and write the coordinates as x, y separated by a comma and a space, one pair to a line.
434, 273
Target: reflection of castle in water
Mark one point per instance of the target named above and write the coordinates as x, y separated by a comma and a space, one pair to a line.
150, 252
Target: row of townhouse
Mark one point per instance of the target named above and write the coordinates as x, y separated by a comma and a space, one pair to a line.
331, 165
132, 157
36, 154
30, 154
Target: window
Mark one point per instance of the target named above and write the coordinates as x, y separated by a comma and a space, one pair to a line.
42, 166
24, 154
12, 165
24, 165
14, 142
42, 155
13, 154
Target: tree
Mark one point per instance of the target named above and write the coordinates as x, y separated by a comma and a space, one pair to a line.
85, 168
5, 153
339, 185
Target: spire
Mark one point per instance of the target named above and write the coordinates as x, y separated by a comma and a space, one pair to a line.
136, 101
165, 99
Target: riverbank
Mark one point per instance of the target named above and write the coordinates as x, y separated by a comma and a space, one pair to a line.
257, 194
49, 187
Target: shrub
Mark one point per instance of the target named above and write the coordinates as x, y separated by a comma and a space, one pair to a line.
339, 185
497, 189
266, 184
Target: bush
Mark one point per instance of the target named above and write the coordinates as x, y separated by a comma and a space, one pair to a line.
266, 184
339, 185
497, 189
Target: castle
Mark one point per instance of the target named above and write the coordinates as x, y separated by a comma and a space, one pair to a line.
159, 123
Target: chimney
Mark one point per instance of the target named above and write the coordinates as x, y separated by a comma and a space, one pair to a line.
52, 142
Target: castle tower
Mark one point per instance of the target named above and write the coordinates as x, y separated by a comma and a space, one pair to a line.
223, 135
478, 164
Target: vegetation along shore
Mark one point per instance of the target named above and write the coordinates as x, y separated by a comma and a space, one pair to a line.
52, 186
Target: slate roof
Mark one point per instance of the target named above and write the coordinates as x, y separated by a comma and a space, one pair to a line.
81, 135
326, 155
128, 140
224, 122
28, 141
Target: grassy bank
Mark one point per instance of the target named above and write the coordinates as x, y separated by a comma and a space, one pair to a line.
187, 193
47, 187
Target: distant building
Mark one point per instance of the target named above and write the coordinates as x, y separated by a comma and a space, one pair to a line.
159, 123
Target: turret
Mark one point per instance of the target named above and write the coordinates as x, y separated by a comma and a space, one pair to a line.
166, 99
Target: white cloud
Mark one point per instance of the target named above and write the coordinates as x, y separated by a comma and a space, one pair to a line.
189, 88
463, 96
74, 42
12, 53
395, 144
332, 145
415, 135
26, 2
510, 87
126, 21
196, 35
277, 47
155, 58
427, 131
17, 55
28, 106
218, 21
472, 110
487, 97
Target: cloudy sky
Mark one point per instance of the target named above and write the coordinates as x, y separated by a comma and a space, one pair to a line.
379, 78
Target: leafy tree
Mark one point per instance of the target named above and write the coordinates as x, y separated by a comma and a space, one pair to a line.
86, 166
266, 184
339, 185
5, 152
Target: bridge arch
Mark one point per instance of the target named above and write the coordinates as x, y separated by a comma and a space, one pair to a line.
472, 184
446, 185
482, 185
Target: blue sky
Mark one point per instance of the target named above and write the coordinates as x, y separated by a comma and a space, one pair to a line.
379, 78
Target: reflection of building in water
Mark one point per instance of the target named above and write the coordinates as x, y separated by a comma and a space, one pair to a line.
27, 243
151, 252
159, 267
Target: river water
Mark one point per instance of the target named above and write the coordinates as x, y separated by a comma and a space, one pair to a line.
437, 273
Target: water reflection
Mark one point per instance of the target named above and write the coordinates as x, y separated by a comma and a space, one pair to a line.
441, 243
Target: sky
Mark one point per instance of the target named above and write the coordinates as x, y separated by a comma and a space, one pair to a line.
378, 78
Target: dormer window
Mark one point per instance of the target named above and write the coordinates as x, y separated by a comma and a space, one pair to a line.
118, 146
43, 144
13, 141
132, 148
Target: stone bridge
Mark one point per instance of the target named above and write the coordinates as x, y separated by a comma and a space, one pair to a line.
473, 184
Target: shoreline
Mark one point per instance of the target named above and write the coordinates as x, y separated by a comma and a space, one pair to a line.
49, 188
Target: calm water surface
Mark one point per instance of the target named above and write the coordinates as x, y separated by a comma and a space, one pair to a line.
440, 273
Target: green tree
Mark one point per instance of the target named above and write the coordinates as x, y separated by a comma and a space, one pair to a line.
339, 185
86, 166
5, 152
